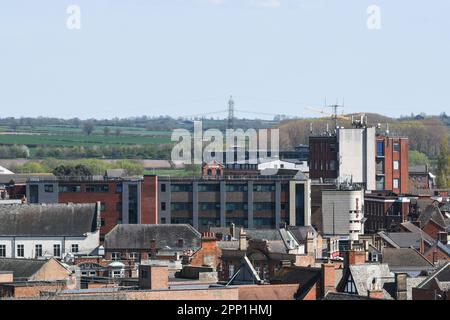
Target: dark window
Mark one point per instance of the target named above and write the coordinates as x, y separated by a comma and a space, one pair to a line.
264, 206
48, 188
380, 148
20, 250
97, 188
2, 251
102, 206
163, 187
38, 250
57, 250
236, 187
208, 187
133, 204
119, 188
181, 188
209, 206
69, 188
163, 206
396, 147
75, 248
163, 220
263, 187
236, 206
119, 206
181, 206
102, 223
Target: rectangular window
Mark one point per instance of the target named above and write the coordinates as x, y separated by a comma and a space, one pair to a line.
230, 271
181, 187
133, 256
48, 188
102, 222
380, 148
97, 188
119, 188
57, 250
163, 187
333, 165
208, 187
102, 206
20, 250
396, 165
2, 251
163, 220
69, 188
395, 184
38, 250
163, 206
264, 187
396, 147
236, 187
75, 248
115, 256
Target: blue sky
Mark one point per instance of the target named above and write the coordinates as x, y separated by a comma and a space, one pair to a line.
185, 57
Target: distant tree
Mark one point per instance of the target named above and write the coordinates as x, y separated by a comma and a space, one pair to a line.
13, 126
118, 132
106, 131
417, 158
88, 128
72, 171
30, 167
443, 171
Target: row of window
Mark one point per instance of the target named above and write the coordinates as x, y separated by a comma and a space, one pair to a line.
216, 187
230, 206
20, 250
100, 188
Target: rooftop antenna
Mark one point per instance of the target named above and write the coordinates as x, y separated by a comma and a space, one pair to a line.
335, 108
311, 128
230, 123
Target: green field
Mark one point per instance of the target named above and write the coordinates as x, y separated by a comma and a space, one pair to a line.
70, 140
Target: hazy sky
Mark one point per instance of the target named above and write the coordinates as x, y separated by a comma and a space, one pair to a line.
185, 57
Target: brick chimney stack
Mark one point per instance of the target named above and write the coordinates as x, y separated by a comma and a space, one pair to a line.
152, 249
401, 286
153, 277
355, 257
375, 290
328, 278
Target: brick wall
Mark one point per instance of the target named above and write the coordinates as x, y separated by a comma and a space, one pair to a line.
271, 292
149, 200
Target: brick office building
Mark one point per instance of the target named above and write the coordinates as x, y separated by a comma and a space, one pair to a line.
392, 164
128, 200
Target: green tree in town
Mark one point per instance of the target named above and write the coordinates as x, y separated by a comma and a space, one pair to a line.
443, 171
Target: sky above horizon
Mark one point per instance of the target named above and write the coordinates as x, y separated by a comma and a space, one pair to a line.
186, 57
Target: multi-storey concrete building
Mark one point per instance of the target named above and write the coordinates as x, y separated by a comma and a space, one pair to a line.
343, 212
130, 200
248, 201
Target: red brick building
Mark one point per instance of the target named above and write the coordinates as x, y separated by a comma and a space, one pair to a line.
124, 200
392, 164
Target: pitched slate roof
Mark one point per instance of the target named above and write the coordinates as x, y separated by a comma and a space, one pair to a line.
405, 239
267, 234
21, 268
364, 274
405, 258
431, 212
301, 233
140, 236
441, 276
304, 276
47, 220
413, 228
